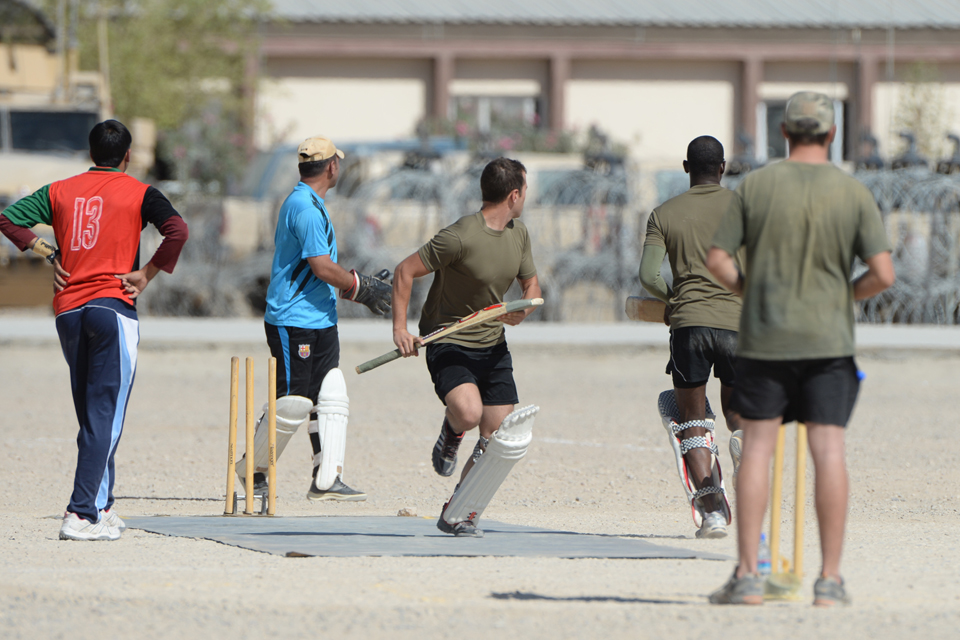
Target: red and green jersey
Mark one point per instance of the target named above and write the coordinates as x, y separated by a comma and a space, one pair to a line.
96, 218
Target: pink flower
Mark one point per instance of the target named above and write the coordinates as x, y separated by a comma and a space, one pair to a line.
462, 128
505, 143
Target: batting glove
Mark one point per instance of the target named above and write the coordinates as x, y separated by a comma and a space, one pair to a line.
373, 291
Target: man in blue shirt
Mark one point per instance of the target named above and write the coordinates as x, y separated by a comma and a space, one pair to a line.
301, 324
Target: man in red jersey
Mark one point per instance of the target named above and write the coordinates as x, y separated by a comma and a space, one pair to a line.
97, 218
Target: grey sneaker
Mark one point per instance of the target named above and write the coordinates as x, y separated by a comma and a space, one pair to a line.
445, 450
736, 450
714, 525
828, 592
339, 492
76, 528
745, 590
113, 520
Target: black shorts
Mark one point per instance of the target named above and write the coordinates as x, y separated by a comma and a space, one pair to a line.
304, 358
695, 350
489, 368
821, 391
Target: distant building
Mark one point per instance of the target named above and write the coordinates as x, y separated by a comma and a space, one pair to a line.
651, 74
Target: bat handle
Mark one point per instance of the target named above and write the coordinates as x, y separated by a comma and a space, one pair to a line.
390, 356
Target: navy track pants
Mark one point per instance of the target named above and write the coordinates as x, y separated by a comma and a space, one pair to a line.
99, 342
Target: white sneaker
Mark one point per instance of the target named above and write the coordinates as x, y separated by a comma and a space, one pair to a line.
714, 526
76, 528
113, 520
736, 449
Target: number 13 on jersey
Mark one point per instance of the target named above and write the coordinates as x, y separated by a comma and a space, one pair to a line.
86, 222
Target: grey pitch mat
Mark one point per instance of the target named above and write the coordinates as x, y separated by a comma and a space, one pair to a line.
341, 536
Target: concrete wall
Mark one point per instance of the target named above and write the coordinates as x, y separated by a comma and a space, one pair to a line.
348, 100
655, 108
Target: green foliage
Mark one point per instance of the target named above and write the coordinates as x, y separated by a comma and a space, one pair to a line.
167, 57
922, 109
183, 64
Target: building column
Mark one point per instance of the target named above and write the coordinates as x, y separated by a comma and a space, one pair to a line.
559, 74
443, 68
867, 69
749, 95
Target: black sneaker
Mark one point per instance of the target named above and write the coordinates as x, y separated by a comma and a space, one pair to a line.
465, 529
260, 484
445, 451
338, 491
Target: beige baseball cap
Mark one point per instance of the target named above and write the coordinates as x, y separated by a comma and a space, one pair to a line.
808, 112
317, 148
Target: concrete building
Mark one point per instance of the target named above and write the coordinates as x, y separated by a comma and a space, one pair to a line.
652, 75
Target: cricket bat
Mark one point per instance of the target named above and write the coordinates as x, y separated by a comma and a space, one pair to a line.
645, 309
492, 312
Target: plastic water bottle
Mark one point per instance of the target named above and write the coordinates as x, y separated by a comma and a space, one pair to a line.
763, 556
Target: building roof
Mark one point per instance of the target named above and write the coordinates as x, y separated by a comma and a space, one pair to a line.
685, 13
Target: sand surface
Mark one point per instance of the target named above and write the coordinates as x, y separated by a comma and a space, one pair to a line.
600, 462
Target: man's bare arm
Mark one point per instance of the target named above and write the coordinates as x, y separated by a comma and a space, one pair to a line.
531, 290
721, 264
406, 272
330, 272
879, 277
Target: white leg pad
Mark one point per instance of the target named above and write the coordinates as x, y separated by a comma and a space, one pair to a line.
669, 415
291, 412
507, 445
333, 410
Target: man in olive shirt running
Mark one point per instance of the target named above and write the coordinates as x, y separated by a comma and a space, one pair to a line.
475, 261
704, 318
802, 221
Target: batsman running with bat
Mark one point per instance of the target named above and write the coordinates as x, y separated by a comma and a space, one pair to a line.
703, 318
474, 261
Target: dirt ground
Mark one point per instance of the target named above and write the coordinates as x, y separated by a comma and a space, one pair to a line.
600, 462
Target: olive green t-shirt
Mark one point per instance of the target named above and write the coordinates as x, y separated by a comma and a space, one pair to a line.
802, 225
685, 226
473, 267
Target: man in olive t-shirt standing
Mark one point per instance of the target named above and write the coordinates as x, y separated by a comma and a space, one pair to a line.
802, 221
474, 262
704, 318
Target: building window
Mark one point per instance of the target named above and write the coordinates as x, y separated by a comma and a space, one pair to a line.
776, 145
771, 145
493, 113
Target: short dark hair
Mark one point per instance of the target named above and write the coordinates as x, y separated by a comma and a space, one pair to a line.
109, 143
313, 169
819, 139
499, 178
704, 156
